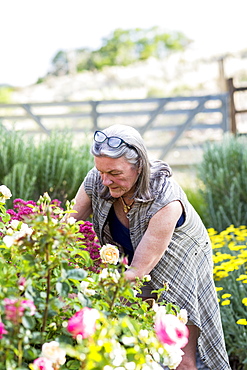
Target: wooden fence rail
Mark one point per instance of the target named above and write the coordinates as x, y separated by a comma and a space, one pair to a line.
165, 123
233, 110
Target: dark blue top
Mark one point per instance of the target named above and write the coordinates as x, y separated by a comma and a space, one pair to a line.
121, 235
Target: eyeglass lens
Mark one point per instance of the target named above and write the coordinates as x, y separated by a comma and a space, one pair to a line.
112, 141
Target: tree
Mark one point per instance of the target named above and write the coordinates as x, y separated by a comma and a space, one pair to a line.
122, 48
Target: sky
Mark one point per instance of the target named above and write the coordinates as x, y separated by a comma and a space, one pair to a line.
33, 31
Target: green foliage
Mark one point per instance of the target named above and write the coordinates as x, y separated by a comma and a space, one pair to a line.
195, 197
223, 172
122, 48
52, 164
230, 262
44, 282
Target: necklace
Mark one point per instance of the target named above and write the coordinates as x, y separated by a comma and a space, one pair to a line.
126, 207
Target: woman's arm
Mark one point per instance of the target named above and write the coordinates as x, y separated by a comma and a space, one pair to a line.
155, 240
83, 205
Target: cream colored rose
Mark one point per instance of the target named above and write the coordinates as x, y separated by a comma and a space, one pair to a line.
109, 254
5, 193
54, 353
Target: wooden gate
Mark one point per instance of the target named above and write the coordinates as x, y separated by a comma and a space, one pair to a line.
234, 111
173, 124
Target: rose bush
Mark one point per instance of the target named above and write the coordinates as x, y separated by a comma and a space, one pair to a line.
62, 309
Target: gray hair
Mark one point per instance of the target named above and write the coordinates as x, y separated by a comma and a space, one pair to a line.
135, 153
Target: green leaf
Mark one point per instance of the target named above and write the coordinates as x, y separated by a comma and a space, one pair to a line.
5, 217
83, 300
77, 274
28, 322
63, 288
73, 365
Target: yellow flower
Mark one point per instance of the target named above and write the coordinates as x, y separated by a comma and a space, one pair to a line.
221, 274
241, 277
226, 295
244, 301
109, 254
242, 322
218, 288
226, 302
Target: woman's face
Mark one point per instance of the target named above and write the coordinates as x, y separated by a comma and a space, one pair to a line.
117, 174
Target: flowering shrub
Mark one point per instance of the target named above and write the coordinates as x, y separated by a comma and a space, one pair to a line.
230, 275
62, 309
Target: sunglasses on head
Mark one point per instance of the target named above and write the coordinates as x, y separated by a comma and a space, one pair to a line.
112, 141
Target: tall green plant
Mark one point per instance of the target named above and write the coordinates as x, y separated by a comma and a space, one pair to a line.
53, 164
223, 172
17, 163
61, 167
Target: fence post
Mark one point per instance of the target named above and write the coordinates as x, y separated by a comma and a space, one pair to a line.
94, 114
231, 89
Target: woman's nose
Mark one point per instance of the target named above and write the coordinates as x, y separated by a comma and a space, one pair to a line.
106, 180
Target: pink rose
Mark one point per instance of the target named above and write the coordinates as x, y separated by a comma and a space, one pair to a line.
42, 363
2, 330
83, 322
26, 303
170, 330
21, 281
14, 308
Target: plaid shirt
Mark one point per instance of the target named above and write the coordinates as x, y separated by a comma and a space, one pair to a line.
186, 265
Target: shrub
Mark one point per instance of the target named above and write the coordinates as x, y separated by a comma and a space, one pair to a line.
230, 275
52, 164
195, 197
55, 314
223, 172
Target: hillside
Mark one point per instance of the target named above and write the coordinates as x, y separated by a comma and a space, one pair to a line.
183, 74
179, 74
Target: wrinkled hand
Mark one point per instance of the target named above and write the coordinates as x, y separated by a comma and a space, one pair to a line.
130, 275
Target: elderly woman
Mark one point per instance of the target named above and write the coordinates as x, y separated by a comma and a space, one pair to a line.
137, 206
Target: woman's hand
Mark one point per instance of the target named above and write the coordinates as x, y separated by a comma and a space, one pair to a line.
130, 275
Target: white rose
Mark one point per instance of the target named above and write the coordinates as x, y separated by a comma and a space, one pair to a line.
14, 224
25, 230
9, 231
54, 353
85, 290
174, 356
5, 193
71, 220
8, 240
103, 274
114, 275
109, 254
152, 363
54, 220
183, 316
